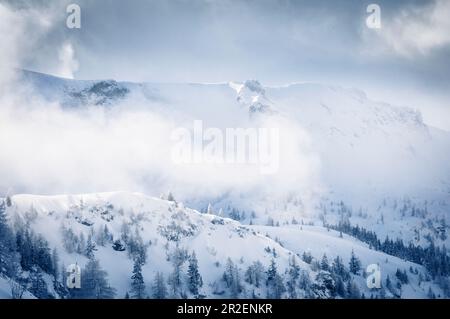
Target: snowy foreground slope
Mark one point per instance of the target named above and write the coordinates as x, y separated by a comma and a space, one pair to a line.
162, 226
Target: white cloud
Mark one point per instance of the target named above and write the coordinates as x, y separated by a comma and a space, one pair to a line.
11, 27
413, 31
68, 63
22, 31
49, 149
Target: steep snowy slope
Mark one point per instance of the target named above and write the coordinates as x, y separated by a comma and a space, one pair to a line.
319, 241
163, 226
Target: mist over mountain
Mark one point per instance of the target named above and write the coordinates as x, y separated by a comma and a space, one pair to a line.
359, 183
346, 138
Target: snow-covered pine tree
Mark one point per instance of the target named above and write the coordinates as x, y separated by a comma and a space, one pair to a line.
178, 257
159, 286
103, 236
271, 272
70, 240
388, 282
136, 248
42, 254
274, 283
255, 273
195, 279
137, 283
304, 282
324, 286
55, 264
402, 276
232, 278
442, 229
81, 249
63, 274
23, 240
354, 264
34, 250
90, 247
4, 228
6, 241
94, 282
338, 268
294, 273
125, 232
324, 263
228, 274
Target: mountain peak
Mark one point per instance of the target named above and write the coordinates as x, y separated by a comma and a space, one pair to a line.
252, 95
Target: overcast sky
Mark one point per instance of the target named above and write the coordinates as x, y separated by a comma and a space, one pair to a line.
405, 62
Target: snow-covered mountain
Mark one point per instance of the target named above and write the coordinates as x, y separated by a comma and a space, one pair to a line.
361, 152
386, 150
357, 178
114, 226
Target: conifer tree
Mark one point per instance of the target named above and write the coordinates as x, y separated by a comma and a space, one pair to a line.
294, 273
90, 247
355, 264
254, 274
178, 257
55, 263
94, 282
232, 278
324, 263
159, 286
338, 268
195, 279
274, 283
137, 284
6, 240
